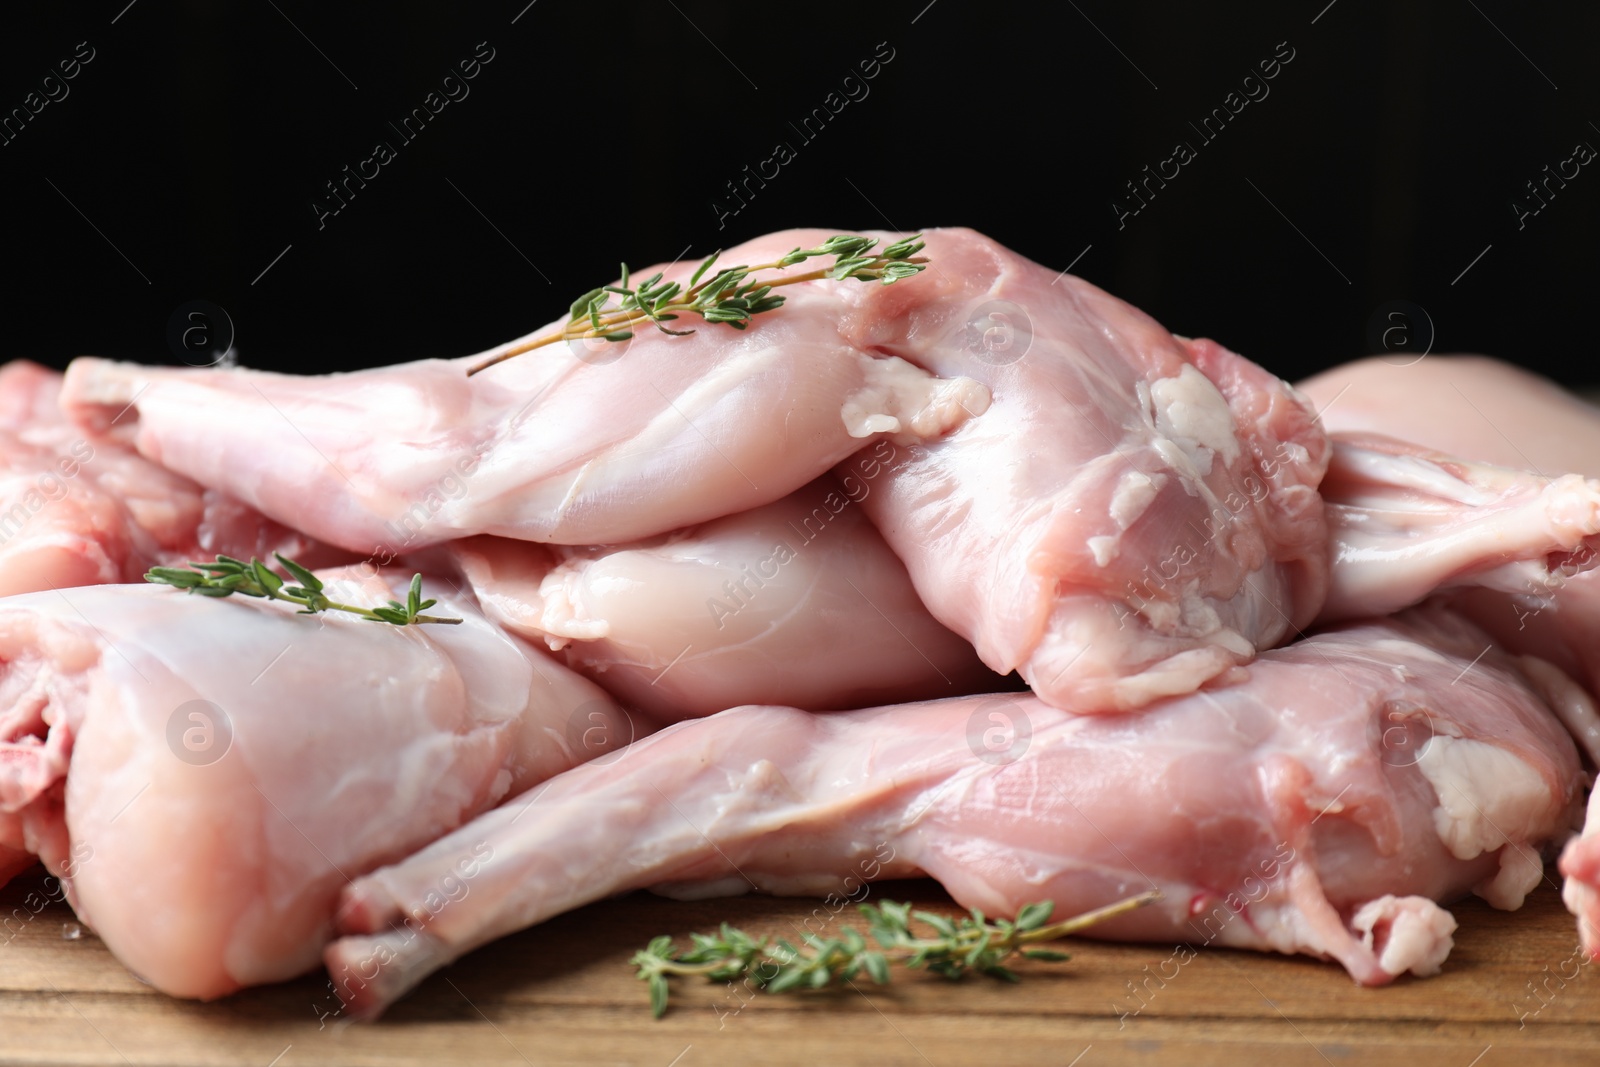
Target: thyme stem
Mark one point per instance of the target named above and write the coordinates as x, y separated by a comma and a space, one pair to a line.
228, 576
727, 296
969, 944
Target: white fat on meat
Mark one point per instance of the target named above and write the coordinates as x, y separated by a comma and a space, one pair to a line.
1406, 934
1135, 492
562, 612
900, 400
1482, 787
1191, 412
1559, 636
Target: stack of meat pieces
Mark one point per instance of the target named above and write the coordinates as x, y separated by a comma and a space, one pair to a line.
983, 571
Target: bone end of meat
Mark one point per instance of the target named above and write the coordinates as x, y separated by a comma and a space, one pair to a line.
97, 393
1580, 866
29, 395
369, 973
1407, 522
1098, 656
365, 909
1405, 934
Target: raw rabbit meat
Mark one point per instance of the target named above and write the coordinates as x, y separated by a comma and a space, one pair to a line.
1470, 406
1493, 411
204, 775
1558, 632
574, 447
29, 396
1487, 411
1135, 513
798, 601
1580, 866
1407, 522
1557, 629
1321, 806
79, 508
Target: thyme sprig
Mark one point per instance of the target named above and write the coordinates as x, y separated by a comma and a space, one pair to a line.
228, 576
730, 296
959, 946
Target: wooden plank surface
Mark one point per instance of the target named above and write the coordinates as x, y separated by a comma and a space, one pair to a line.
563, 993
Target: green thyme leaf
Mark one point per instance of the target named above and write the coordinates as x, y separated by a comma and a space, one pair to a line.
731, 296
227, 576
959, 946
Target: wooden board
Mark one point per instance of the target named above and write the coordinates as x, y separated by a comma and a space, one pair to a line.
563, 993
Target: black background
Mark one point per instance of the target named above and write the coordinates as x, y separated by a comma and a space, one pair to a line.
187, 155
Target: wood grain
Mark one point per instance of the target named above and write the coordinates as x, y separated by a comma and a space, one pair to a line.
563, 993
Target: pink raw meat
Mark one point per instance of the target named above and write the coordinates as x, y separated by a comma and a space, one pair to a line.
1134, 514
204, 775
1470, 406
1492, 411
572, 447
1559, 632
798, 601
80, 508
1321, 806
1407, 522
29, 395
1580, 866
